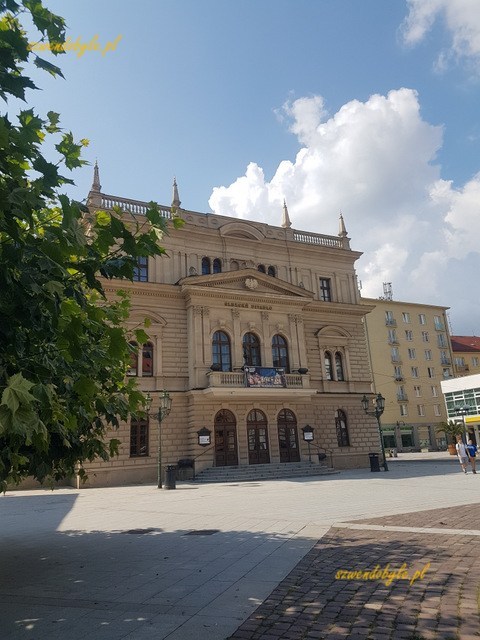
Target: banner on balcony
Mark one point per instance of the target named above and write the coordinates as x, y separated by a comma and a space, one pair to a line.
265, 377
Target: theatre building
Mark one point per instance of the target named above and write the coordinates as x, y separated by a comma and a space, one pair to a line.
256, 332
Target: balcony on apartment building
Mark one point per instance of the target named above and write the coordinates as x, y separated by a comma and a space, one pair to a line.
462, 368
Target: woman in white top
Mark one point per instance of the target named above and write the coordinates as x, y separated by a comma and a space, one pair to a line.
462, 453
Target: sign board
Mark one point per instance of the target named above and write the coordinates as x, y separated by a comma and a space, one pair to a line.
265, 377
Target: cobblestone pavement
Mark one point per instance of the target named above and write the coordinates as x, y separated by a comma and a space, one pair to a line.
316, 602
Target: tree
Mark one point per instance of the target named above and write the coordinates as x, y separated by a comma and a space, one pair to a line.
451, 429
64, 350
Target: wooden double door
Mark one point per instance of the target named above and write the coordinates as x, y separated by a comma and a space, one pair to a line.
226, 447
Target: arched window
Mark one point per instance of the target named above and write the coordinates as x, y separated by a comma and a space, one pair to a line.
234, 266
147, 359
328, 365
339, 366
280, 353
205, 266
221, 352
133, 368
342, 428
217, 265
139, 438
251, 350
261, 267
271, 271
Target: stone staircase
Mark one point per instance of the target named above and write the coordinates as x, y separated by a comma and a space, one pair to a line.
274, 471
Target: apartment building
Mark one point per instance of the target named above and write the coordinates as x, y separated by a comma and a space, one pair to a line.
410, 354
466, 355
256, 333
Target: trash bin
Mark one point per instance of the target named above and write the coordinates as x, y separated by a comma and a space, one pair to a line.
170, 477
374, 464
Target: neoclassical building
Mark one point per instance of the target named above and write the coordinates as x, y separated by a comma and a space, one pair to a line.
256, 331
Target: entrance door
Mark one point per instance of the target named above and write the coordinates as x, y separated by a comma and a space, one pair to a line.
226, 451
287, 436
257, 433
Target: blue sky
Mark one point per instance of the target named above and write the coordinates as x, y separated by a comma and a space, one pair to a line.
369, 107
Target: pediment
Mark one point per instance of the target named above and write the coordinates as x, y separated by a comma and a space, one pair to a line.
248, 281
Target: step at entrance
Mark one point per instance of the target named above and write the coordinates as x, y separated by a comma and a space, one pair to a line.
274, 471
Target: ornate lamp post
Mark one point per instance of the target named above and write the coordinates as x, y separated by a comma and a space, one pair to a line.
463, 411
164, 408
379, 408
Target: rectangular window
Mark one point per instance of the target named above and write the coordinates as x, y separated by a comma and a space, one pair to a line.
395, 354
474, 361
406, 318
418, 391
412, 354
389, 319
437, 321
325, 290
398, 375
444, 357
434, 391
442, 340
139, 438
414, 372
421, 409
425, 337
401, 395
408, 335
404, 410
460, 361
140, 272
436, 410
422, 319
392, 336
428, 354
431, 372
446, 373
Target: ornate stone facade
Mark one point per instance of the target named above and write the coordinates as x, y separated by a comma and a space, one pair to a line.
231, 293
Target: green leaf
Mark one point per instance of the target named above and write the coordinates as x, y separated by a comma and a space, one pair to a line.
17, 393
52, 69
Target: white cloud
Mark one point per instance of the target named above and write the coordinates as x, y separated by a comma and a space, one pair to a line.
462, 20
376, 162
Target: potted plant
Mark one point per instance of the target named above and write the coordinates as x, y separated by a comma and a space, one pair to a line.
451, 429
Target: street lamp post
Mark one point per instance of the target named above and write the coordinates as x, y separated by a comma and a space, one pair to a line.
463, 411
379, 408
164, 408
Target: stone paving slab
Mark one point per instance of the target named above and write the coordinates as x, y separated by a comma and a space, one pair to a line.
323, 599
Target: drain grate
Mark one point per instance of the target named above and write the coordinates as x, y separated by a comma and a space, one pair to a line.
202, 532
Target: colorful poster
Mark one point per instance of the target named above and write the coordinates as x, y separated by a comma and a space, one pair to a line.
265, 377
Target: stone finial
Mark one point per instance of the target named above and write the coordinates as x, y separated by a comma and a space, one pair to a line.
342, 232
286, 224
96, 186
176, 198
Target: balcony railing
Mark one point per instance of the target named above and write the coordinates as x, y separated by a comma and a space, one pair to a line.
237, 379
462, 367
402, 397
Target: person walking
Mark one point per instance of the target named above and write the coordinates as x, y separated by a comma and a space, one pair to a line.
472, 452
462, 453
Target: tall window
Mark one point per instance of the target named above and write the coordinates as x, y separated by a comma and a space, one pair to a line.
431, 372
421, 409
133, 368
412, 354
404, 409
406, 317
328, 365
325, 290
418, 391
422, 319
395, 354
138, 438
408, 335
425, 337
389, 319
428, 354
251, 350
221, 352
205, 266
271, 271
437, 321
441, 340
140, 271
217, 265
342, 428
339, 367
434, 391
392, 336
147, 359
280, 353
398, 375
414, 372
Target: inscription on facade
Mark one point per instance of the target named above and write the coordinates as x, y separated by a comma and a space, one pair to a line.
246, 305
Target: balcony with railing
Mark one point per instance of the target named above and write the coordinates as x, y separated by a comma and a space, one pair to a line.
462, 368
224, 383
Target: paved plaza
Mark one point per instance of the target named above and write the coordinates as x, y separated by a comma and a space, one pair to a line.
259, 560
